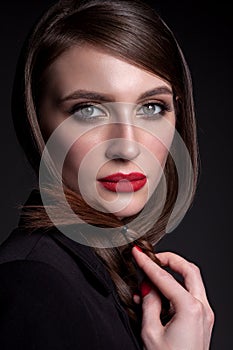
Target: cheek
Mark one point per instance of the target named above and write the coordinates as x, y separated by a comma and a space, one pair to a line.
159, 138
83, 146
157, 148
161, 152
72, 163
76, 154
82, 158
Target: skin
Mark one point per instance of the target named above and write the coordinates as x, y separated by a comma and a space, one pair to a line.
191, 326
122, 142
125, 144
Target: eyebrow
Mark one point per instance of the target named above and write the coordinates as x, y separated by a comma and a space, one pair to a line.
92, 95
161, 90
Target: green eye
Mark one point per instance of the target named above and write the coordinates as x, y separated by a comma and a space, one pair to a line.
91, 111
88, 112
150, 109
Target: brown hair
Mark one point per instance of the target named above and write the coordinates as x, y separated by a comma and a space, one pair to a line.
133, 31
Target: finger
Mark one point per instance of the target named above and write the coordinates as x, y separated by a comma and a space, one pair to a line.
194, 284
136, 298
151, 310
163, 280
190, 272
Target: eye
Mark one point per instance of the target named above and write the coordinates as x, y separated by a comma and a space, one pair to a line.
151, 109
88, 112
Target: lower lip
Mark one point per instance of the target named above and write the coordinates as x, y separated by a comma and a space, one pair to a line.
124, 186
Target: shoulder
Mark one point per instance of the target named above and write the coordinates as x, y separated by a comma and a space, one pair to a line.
38, 277
50, 298
38, 307
37, 246
29, 285
35, 267
32, 277
47, 301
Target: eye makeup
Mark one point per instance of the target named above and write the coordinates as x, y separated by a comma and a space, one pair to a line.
90, 111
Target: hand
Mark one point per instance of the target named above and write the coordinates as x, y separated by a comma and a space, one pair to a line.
191, 325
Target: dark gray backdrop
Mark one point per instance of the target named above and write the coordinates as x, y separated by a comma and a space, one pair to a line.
205, 234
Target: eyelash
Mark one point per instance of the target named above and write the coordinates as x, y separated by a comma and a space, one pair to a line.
76, 108
165, 107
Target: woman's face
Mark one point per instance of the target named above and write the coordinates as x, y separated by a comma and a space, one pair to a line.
116, 124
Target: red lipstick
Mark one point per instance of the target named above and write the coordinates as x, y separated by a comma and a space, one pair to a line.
124, 182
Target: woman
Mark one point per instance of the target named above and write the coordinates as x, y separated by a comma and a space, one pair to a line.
104, 86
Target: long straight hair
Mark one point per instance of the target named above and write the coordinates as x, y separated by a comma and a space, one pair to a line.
130, 30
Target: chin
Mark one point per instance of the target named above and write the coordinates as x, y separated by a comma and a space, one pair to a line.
130, 210
122, 205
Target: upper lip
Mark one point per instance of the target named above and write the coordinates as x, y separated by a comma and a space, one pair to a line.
120, 176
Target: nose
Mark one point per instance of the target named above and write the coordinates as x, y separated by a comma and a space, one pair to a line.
122, 144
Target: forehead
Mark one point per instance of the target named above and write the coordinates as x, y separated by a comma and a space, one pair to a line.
91, 68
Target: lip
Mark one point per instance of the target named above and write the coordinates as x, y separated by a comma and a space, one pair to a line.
120, 182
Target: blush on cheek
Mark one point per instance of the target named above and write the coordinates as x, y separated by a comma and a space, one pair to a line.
159, 150
72, 164
163, 157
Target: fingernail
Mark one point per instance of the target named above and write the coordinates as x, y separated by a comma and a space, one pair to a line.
145, 288
138, 248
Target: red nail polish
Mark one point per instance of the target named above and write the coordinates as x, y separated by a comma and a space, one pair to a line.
138, 248
145, 288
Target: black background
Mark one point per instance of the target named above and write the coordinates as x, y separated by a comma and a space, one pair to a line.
205, 234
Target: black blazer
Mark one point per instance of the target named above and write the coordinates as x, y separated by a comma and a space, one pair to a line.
57, 294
